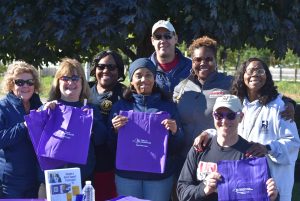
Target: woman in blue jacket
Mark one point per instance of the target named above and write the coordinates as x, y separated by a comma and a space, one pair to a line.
69, 87
143, 95
18, 167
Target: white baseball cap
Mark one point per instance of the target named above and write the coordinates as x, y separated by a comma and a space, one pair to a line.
164, 24
231, 102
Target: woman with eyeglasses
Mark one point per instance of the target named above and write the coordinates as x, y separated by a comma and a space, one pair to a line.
272, 135
18, 166
143, 95
70, 87
108, 69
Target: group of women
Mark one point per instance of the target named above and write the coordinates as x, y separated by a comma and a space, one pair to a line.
190, 113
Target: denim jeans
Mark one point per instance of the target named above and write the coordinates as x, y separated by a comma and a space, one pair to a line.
154, 190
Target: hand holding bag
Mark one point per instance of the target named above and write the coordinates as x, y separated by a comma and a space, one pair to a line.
36, 121
66, 135
142, 142
243, 180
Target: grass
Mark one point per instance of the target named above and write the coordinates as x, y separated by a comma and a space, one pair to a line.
289, 89
46, 86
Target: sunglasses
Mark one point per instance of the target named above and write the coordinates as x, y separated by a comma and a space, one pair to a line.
258, 71
222, 115
110, 67
201, 59
20, 82
74, 78
166, 36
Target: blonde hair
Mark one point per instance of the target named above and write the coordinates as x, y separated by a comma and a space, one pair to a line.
69, 67
17, 68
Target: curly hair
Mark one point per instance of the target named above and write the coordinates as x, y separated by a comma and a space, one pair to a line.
69, 67
266, 94
118, 59
17, 68
204, 41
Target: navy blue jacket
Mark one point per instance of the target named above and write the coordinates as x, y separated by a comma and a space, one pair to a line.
105, 159
18, 170
168, 80
151, 104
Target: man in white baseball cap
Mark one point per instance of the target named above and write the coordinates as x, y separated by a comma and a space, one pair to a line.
228, 101
172, 66
163, 24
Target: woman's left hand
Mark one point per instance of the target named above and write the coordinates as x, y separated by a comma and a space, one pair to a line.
170, 124
257, 150
289, 112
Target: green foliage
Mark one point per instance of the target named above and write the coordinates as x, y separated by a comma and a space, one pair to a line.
2, 68
290, 89
45, 31
46, 86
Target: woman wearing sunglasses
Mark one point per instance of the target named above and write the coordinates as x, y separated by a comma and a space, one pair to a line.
108, 69
70, 87
272, 135
18, 166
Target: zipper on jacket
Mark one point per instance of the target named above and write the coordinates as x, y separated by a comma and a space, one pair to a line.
144, 104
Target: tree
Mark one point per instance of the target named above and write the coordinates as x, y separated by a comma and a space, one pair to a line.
45, 31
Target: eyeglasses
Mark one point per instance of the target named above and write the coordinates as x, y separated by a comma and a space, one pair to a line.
74, 78
166, 36
222, 115
20, 82
110, 67
201, 59
258, 71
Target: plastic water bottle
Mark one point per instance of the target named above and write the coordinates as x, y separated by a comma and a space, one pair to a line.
88, 192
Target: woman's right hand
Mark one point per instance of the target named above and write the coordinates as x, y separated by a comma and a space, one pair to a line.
201, 141
119, 121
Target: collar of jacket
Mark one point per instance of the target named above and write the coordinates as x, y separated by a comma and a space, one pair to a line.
146, 100
154, 59
211, 78
34, 100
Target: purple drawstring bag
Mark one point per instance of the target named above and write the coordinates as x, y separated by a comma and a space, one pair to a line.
142, 142
66, 135
36, 121
243, 180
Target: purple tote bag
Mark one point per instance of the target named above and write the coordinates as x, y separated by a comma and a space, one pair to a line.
36, 121
66, 135
142, 142
243, 180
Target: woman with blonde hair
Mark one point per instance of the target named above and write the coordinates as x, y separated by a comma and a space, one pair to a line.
18, 168
70, 87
